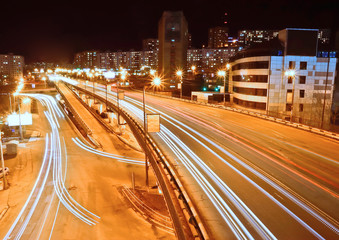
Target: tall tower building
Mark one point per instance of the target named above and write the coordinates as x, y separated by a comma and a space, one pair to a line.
218, 37
173, 43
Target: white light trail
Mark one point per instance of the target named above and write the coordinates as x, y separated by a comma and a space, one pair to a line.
109, 155
175, 144
53, 154
31, 197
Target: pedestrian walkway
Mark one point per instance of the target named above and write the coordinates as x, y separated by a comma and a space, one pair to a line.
24, 168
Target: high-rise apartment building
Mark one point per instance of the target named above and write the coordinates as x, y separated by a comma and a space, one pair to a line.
324, 36
11, 67
150, 48
217, 37
207, 60
87, 59
173, 44
248, 37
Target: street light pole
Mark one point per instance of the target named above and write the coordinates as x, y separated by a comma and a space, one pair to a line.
3, 163
145, 130
118, 103
106, 94
156, 82
224, 89
179, 74
20, 127
181, 86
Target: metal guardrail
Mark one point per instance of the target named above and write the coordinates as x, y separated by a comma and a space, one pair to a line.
315, 130
107, 126
171, 182
149, 213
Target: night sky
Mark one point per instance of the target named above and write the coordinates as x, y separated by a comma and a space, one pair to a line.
53, 31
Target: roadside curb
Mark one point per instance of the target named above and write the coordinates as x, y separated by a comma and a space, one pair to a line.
300, 126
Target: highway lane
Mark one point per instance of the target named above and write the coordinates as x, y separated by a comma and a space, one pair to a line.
76, 193
264, 180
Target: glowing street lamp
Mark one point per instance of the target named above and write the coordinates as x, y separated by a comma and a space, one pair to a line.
156, 81
179, 74
222, 73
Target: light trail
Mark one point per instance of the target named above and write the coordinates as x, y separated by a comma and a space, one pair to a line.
222, 132
270, 180
230, 218
261, 176
65, 173
120, 158
31, 198
51, 164
175, 144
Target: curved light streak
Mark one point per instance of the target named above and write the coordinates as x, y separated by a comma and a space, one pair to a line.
120, 158
52, 155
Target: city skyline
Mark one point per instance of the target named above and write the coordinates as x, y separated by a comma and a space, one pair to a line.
56, 33
177, 120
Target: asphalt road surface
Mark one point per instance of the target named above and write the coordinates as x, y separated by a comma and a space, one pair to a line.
76, 194
248, 178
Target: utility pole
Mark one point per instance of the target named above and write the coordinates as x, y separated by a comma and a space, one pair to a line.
3, 163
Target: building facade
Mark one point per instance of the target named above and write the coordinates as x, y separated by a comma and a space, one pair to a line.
11, 67
248, 37
173, 44
217, 37
87, 59
297, 87
207, 60
150, 52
